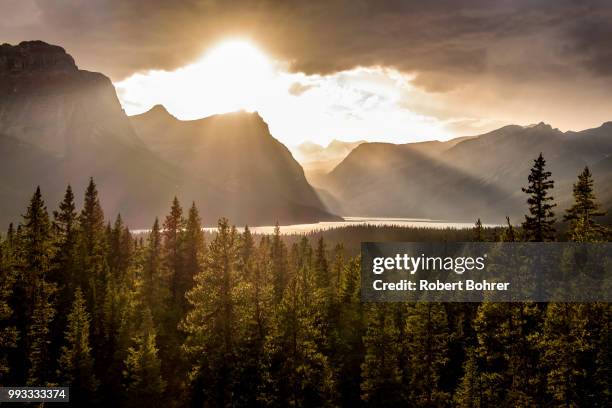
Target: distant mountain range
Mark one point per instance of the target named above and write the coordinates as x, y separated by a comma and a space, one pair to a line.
61, 125
466, 178
318, 160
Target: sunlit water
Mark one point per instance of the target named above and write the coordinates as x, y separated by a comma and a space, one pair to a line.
352, 221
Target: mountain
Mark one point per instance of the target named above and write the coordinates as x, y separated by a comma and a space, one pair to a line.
60, 125
235, 156
466, 178
318, 160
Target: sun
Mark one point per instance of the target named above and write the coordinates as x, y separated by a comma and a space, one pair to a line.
232, 75
230, 52
237, 74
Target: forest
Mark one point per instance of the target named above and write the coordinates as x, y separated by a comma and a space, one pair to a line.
178, 318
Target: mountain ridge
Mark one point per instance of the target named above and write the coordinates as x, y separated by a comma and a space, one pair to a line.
479, 176
240, 146
63, 125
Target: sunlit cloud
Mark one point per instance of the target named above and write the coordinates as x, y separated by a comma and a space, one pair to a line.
361, 103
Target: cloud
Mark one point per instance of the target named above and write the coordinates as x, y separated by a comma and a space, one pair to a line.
446, 39
506, 52
296, 88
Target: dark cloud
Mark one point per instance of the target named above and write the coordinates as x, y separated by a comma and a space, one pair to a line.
591, 42
442, 39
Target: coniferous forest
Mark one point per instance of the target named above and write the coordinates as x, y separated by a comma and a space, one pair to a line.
172, 318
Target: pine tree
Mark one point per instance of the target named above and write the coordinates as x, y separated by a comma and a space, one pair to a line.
41, 370
478, 232
173, 227
8, 331
122, 317
509, 234
297, 370
36, 240
211, 325
280, 267
583, 227
539, 225
321, 265
337, 268
91, 221
254, 308
76, 362
65, 229
193, 254
427, 338
92, 253
247, 251
382, 367
143, 380
469, 392
120, 250
154, 274
564, 343
350, 349
38, 304
507, 353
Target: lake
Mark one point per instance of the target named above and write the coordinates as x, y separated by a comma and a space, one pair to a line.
351, 221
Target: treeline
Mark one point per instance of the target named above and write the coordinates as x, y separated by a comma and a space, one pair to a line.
176, 321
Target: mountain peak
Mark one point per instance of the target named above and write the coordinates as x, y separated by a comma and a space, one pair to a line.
34, 56
159, 109
539, 126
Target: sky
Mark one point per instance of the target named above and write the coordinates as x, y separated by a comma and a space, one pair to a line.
386, 70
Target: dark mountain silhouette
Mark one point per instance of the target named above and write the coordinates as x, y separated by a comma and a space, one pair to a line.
235, 155
470, 177
60, 125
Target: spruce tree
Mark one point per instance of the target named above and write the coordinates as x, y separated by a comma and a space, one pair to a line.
254, 308
65, 229
8, 331
564, 343
247, 251
120, 250
469, 392
337, 268
509, 234
211, 325
173, 228
92, 253
76, 362
321, 265
38, 310
154, 275
478, 232
41, 371
193, 255
508, 354
351, 330
297, 369
427, 338
539, 224
36, 240
581, 216
382, 367
280, 267
143, 379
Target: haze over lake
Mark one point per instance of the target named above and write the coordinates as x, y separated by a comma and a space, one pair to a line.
351, 221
